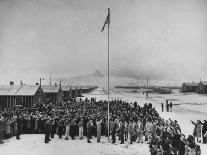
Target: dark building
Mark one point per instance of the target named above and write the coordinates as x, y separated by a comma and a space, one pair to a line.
67, 91
202, 87
189, 87
52, 93
20, 95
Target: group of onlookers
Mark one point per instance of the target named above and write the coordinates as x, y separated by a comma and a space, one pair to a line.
128, 123
168, 106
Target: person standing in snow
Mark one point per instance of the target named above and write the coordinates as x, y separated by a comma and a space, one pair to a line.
204, 130
162, 106
167, 106
121, 130
130, 131
67, 129
115, 126
18, 121
171, 106
98, 123
80, 125
60, 128
181, 146
197, 130
126, 128
89, 128
47, 131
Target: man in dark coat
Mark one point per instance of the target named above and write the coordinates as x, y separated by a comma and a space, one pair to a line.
89, 128
181, 148
122, 127
162, 106
165, 146
73, 130
170, 106
60, 127
54, 127
204, 130
19, 121
115, 126
47, 131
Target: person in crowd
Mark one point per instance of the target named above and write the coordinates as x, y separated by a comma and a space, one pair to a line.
89, 128
60, 127
80, 125
197, 130
130, 131
98, 123
73, 129
126, 128
181, 145
121, 130
67, 128
54, 127
204, 130
47, 131
114, 130
18, 122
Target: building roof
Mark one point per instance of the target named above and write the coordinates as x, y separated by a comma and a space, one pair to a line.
27, 90
204, 82
50, 89
190, 84
18, 90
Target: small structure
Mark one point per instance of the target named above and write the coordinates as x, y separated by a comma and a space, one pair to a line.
52, 93
202, 87
189, 87
20, 95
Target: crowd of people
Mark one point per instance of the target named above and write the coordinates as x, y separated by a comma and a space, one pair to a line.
129, 123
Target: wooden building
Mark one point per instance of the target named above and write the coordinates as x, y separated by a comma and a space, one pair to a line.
67, 92
189, 87
20, 95
52, 93
202, 87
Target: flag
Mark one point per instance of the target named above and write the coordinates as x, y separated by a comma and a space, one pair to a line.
107, 21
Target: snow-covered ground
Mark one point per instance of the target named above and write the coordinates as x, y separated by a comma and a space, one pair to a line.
186, 107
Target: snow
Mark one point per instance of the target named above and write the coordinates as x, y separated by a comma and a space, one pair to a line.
186, 107
34, 145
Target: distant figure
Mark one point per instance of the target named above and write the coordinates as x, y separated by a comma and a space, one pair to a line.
167, 107
162, 106
171, 106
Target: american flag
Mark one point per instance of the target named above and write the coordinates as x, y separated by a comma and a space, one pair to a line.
107, 21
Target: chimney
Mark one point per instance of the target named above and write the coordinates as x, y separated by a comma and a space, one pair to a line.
55, 84
21, 83
11, 83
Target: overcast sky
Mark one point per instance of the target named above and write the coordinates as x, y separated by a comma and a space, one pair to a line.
165, 39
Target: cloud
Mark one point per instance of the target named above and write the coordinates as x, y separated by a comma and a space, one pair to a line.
163, 39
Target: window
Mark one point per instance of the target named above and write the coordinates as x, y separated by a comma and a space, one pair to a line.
18, 101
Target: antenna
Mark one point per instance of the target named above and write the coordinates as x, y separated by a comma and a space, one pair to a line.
50, 80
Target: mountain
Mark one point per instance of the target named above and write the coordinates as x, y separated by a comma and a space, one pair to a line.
97, 78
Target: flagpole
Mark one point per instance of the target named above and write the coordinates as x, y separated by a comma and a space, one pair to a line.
108, 75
